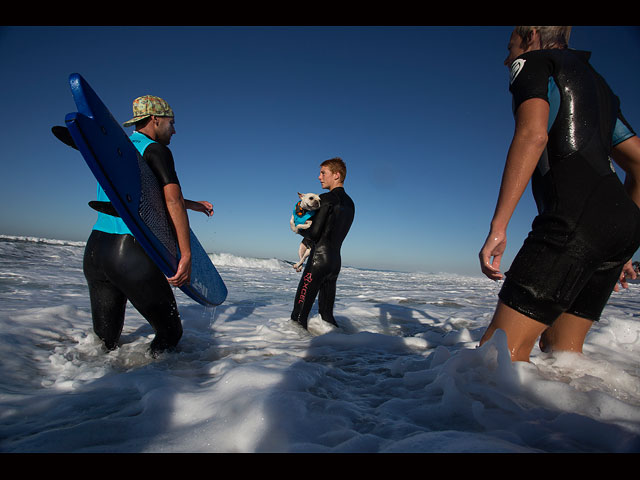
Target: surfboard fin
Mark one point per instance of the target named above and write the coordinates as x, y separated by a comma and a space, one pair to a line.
62, 134
104, 207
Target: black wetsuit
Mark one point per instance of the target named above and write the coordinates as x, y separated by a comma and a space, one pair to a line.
118, 269
588, 227
330, 226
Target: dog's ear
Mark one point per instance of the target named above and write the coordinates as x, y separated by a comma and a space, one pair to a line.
300, 195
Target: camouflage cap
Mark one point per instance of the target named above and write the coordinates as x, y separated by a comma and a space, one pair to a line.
146, 106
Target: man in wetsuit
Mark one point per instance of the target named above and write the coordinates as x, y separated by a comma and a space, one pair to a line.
116, 267
330, 226
568, 122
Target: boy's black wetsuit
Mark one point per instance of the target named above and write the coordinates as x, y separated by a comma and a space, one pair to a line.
587, 227
330, 226
118, 269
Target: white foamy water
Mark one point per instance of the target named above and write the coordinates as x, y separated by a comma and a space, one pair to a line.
402, 374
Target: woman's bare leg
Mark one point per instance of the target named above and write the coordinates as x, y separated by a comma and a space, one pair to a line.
522, 331
566, 334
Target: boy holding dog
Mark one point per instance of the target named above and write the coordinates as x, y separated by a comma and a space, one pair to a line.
328, 230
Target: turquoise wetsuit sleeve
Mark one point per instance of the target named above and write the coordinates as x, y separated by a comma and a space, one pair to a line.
621, 132
553, 96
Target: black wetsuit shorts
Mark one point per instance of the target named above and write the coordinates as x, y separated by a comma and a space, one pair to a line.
587, 227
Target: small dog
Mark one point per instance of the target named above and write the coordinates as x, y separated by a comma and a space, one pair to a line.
301, 220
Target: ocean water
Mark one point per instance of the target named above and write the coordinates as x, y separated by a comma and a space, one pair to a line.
402, 374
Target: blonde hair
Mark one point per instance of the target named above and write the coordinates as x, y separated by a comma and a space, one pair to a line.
336, 165
550, 37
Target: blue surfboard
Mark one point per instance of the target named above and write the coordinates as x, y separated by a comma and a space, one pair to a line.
135, 193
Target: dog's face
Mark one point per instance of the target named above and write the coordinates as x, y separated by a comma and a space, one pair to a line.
309, 201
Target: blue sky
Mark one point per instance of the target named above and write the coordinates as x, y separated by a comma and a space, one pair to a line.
421, 116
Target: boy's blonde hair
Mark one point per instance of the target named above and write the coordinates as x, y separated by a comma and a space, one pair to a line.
336, 165
549, 36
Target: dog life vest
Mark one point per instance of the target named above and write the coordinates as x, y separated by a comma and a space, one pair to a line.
300, 215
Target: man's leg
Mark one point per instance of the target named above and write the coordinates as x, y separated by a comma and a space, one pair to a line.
147, 289
107, 312
108, 303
